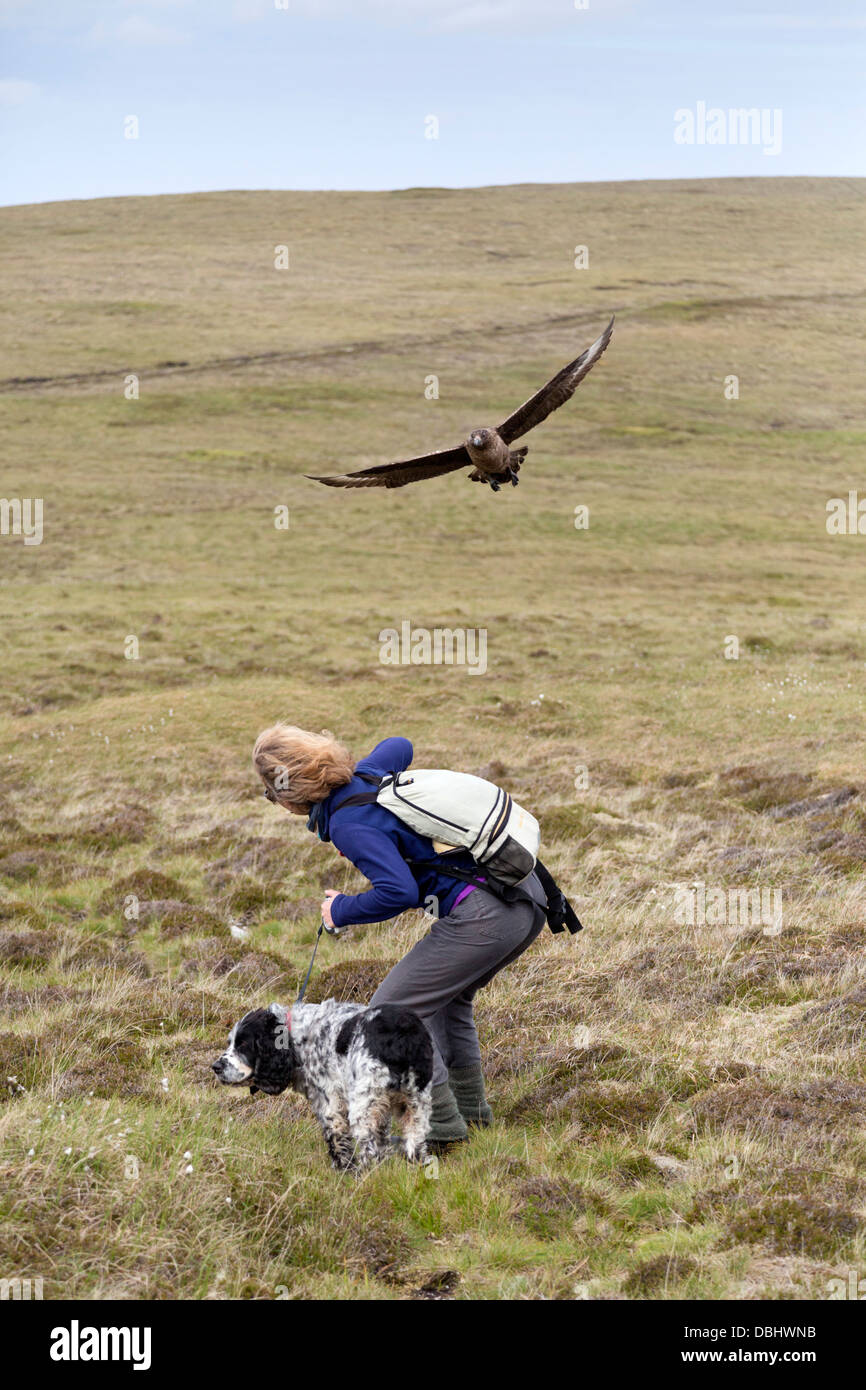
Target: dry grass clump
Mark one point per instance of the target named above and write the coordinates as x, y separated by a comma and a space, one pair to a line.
354, 981
832, 1104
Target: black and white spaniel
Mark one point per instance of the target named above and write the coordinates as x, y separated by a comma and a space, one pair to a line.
357, 1066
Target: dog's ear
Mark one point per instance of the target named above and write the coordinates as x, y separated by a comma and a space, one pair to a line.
275, 1057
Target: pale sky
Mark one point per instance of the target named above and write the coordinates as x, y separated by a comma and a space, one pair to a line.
338, 93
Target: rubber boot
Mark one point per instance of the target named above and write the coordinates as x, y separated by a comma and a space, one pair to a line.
447, 1125
467, 1083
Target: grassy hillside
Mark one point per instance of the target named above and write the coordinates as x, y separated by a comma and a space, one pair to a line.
680, 1107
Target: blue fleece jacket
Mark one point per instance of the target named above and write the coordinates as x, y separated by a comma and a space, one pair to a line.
379, 844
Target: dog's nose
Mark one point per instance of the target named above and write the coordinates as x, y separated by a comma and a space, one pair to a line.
217, 1065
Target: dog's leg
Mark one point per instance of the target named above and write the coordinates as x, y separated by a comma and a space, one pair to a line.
415, 1123
341, 1150
334, 1121
370, 1123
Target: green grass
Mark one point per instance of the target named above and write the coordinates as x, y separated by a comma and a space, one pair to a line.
680, 1109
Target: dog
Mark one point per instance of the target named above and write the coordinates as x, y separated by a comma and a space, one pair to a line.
357, 1066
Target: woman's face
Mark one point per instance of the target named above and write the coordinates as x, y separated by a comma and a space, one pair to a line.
276, 799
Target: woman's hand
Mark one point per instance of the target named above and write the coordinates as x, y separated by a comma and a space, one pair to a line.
330, 893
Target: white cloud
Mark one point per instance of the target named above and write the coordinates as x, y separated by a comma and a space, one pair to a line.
440, 14
134, 30
138, 30
101, 20
819, 21
491, 13
15, 92
244, 10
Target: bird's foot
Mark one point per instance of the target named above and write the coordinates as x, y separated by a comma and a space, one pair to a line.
510, 476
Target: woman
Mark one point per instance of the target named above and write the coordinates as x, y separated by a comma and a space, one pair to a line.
474, 935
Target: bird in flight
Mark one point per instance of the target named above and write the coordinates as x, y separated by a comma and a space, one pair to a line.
487, 451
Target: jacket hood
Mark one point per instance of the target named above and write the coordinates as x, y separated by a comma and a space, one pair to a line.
320, 818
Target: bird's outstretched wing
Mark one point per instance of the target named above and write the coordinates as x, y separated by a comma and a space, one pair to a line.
403, 472
555, 393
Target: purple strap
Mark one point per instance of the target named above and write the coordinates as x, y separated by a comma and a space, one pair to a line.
464, 893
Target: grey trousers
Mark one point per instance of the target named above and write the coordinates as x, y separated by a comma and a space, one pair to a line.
440, 976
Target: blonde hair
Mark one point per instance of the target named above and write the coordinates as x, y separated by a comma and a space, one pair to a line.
298, 767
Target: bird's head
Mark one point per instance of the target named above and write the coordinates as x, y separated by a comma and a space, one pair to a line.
479, 438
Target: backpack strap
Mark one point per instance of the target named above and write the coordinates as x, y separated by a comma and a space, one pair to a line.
359, 799
363, 798
561, 915
505, 892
